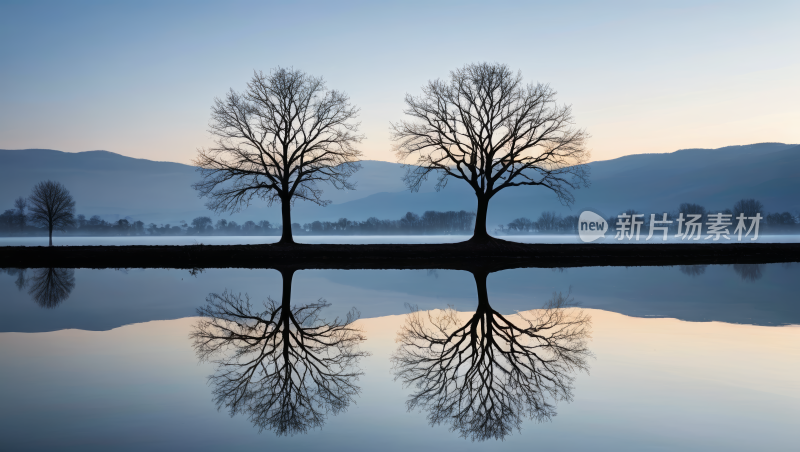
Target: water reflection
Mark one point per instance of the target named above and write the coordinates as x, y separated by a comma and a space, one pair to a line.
48, 287
749, 272
20, 281
483, 376
285, 367
692, 270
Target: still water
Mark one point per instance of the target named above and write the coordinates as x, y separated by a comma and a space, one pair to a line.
601, 358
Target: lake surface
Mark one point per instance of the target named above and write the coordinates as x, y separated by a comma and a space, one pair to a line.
639, 358
342, 239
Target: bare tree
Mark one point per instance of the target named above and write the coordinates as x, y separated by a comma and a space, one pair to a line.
20, 204
52, 207
485, 127
285, 367
548, 221
278, 140
750, 208
687, 208
51, 286
483, 376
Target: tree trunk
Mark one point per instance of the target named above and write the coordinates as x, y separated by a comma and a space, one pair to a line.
286, 218
482, 320
480, 234
51, 235
286, 312
483, 294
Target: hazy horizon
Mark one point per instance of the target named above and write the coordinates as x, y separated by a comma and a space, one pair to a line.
592, 160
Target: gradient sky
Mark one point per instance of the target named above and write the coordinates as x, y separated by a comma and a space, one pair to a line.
138, 78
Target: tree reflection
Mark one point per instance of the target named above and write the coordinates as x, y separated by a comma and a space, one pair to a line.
284, 367
20, 282
749, 272
692, 270
484, 376
49, 287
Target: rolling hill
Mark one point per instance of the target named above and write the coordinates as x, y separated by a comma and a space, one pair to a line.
115, 186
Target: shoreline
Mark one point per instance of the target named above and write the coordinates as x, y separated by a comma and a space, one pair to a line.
496, 255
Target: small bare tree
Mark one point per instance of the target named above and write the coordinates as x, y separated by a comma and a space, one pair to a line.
749, 208
285, 367
20, 204
52, 207
278, 140
485, 127
483, 376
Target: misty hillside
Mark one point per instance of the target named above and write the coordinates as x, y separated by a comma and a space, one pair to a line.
114, 186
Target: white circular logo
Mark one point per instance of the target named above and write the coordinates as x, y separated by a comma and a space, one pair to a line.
591, 226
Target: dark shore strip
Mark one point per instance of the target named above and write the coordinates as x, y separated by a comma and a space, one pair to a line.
496, 255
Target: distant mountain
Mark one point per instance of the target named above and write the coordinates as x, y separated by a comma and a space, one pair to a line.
114, 186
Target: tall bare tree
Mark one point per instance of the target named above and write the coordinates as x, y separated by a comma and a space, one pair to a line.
284, 367
485, 127
278, 140
483, 376
52, 207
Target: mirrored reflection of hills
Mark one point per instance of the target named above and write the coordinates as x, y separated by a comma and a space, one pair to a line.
706, 293
280, 364
484, 375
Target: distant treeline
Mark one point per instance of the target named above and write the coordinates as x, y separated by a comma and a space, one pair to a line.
12, 223
553, 223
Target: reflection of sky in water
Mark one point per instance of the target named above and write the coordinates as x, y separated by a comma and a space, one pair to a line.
105, 299
658, 384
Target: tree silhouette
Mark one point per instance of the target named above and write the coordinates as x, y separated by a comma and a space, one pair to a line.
285, 367
49, 287
485, 127
52, 207
20, 204
484, 376
276, 141
749, 208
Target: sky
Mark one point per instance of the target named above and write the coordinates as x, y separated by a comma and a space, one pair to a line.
139, 78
